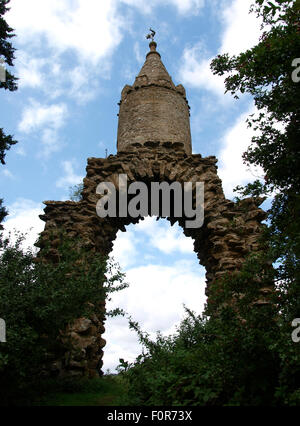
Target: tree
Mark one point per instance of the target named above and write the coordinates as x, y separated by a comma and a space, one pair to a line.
75, 192
243, 356
265, 71
10, 83
6, 48
37, 300
6, 51
3, 213
5, 143
268, 72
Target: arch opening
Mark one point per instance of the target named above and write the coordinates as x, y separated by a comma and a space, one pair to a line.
164, 274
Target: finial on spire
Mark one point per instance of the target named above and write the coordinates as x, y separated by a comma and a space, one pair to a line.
151, 35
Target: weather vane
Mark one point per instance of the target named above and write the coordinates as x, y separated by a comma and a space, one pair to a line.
151, 35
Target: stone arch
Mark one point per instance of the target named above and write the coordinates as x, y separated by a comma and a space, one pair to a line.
230, 230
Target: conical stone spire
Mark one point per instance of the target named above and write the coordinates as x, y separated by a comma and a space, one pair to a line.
153, 70
153, 109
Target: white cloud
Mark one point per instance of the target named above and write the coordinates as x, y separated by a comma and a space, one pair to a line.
241, 32
232, 170
183, 6
150, 233
30, 72
49, 75
50, 141
138, 55
20, 151
124, 249
89, 27
7, 174
156, 293
81, 83
24, 217
48, 120
36, 116
155, 299
90, 30
242, 29
195, 71
70, 177
164, 237
121, 343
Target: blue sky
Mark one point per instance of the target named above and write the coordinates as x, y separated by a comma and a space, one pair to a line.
73, 59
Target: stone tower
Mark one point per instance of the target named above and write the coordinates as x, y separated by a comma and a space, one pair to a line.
154, 145
154, 109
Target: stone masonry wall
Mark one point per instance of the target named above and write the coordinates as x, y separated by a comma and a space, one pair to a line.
153, 112
230, 231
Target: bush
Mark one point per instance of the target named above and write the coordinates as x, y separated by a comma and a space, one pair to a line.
39, 299
238, 352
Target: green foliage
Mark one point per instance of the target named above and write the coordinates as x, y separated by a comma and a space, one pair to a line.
6, 48
3, 212
5, 144
265, 72
101, 391
6, 52
75, 192
244, 355
39, 299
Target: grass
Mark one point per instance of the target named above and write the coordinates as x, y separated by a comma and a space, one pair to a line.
103, 391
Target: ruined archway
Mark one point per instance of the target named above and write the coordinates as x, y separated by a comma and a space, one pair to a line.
154, 145
230, 231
